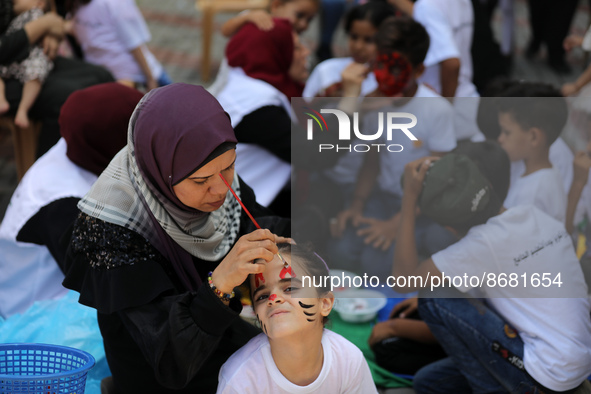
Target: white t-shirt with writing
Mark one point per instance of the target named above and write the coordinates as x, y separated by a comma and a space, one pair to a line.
108, 30
526, 242
543, 189
251, 370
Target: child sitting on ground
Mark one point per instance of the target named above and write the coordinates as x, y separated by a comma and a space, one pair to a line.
33, 70
361, 25
295, 353
531, 120
517, 339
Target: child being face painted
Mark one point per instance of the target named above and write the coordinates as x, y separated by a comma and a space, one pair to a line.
283, 307
294, 353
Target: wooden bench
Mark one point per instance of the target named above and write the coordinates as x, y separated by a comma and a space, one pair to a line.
24, 142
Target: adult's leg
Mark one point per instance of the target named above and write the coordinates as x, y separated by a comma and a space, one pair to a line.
484, 348
536, 22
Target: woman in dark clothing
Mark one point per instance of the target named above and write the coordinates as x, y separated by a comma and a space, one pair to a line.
160, 244
44, 205
68, 75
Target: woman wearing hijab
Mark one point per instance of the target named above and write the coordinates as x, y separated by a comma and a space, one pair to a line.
67, 76
160, 244
43, 205
268, 68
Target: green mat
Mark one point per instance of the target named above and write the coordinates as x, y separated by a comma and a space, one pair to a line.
358, 333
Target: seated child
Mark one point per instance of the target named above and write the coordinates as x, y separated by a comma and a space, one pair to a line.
295, 353
530, 122
33, 70
113, 34
361, 25
517, 339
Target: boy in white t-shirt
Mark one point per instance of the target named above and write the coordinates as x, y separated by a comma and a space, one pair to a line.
366, 244
531, 120
295, 353
517, 339
113, 34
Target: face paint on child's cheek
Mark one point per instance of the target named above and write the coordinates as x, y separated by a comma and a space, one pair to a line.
258, 279
285, 271
306, 306
390, 83
262, 325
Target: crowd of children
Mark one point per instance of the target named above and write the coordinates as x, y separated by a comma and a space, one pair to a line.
477, 187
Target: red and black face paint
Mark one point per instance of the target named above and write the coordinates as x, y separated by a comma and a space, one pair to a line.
392, 71
308, 314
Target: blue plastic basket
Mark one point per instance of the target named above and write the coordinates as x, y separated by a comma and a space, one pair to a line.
43, 369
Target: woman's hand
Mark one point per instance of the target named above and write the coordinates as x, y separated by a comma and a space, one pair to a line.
240, 261
51, 46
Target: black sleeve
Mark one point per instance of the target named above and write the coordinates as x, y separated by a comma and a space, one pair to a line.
264, 216
178, 334
269, 127
48, 225
14, 47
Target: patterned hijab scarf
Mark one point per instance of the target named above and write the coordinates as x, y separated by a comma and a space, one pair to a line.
173, 132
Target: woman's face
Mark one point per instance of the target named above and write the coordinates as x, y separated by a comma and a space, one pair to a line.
299, 65
285, 309
362, 47
204, 190
298, 12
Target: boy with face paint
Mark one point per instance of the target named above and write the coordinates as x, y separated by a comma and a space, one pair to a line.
294, 354
368, 245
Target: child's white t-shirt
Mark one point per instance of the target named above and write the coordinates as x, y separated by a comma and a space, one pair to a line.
535, 247
252, 370
450, 24
543, 189
434, 131
329, 72
108, 30
561, 158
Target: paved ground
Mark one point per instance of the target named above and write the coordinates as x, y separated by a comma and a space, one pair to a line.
176, 41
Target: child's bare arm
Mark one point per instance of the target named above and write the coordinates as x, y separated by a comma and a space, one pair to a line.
581, 165
139, 57
449, 72
416, 330
261, 18
569, 89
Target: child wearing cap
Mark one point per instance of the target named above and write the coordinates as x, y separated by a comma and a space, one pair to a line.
531, 118
517, 339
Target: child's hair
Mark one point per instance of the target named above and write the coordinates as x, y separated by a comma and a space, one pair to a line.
534, 108
375, 12
405, 35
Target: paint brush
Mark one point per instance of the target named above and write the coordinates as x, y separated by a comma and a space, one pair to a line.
249, 215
